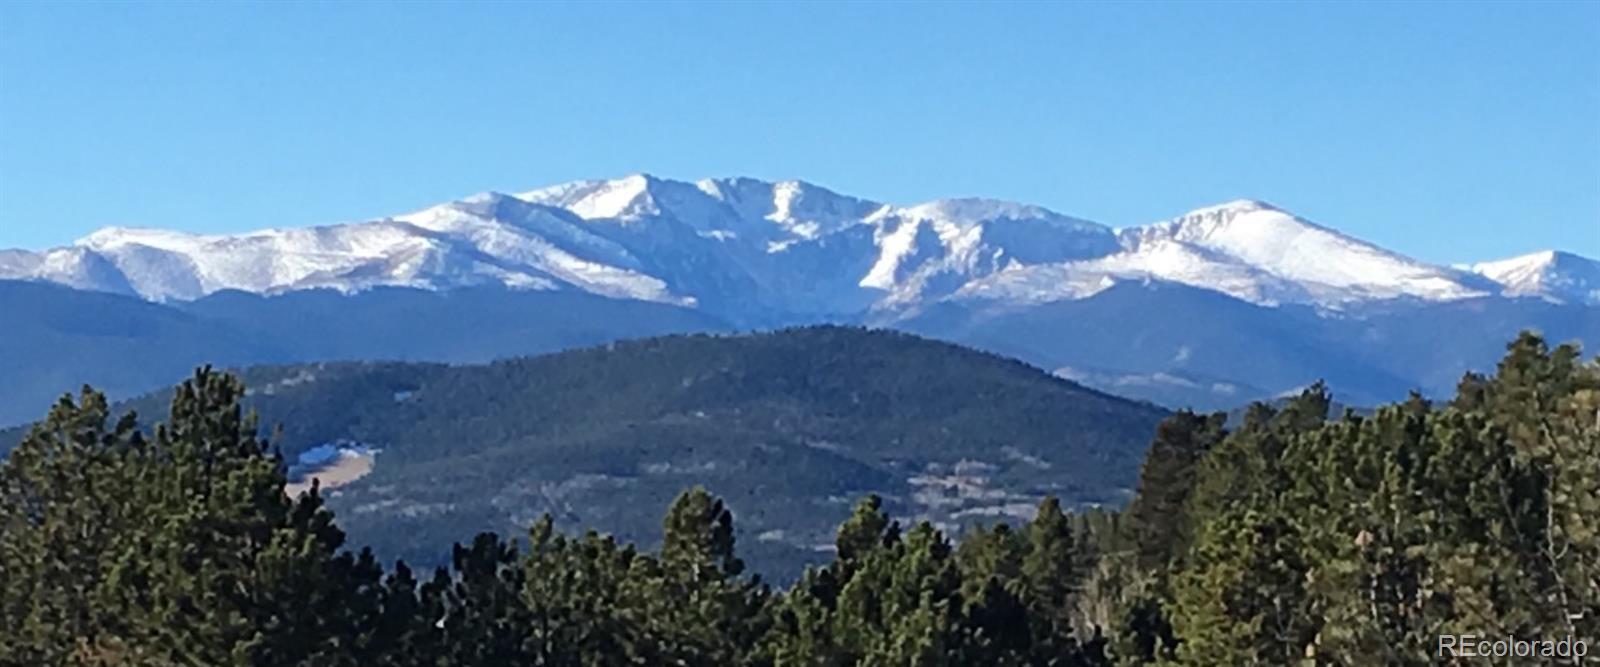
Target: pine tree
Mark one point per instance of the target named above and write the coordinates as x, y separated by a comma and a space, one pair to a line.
182, 548
802, 632
1156, 519
60, 523
576, 591
699, 607
995, 619
900, 607
1240, 595
866, 531
1052, 576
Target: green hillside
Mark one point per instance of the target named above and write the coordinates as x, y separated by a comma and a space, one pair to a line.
791, 427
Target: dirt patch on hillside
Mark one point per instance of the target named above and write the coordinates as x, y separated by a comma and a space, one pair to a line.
348, 467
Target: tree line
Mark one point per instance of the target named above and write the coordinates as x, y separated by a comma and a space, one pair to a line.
1287, 539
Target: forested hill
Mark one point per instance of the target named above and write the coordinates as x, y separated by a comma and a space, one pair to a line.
791, 427
1285, 540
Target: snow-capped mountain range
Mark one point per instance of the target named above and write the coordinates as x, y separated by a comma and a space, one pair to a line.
757, 252
1211, 309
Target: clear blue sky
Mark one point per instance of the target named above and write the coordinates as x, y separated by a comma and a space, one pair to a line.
1450, 132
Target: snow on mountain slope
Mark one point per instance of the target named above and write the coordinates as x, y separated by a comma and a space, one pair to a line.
759, 252
1553, 275
799, 247
488, 239
1155, 260
725, 208
731, 243
541, 246
75, 267
797, 210
627, 199
1246, 249
163, 265
932, 250
1332, 267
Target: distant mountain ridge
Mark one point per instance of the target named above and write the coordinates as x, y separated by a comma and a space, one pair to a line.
763, 253
56, 339
1213, 308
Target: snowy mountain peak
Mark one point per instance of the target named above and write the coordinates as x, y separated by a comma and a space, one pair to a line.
485, 198
1551, 274
113, 237
964, 210
501, 206
1241, 205
1202, 222
624, 198
484, 210
799, 209
1205, 222
967, 211
1332, 267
